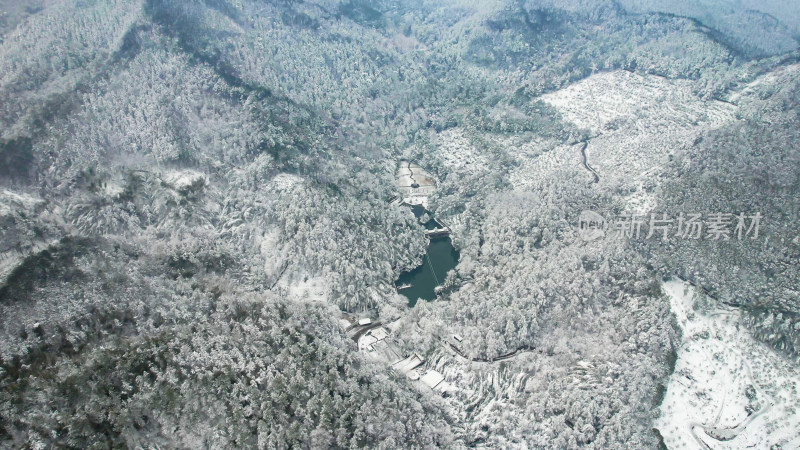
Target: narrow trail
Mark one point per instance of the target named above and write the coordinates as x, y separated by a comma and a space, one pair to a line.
278, 278
507, 356
724, 434
411, 173
586, 164
600, 127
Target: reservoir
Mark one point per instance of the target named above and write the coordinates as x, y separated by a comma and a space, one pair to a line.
440, 258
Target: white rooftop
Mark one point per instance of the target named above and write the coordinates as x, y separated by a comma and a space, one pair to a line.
408, 364
379, 333
365, 341
432, 378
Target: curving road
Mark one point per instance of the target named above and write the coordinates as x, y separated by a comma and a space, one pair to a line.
724, 434
586, 165
523, 349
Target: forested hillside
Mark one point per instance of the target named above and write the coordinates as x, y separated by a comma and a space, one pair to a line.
195, 194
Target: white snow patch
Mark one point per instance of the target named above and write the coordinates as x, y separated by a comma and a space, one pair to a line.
642, 201
113, 190
185, 179
284, 182
726, 383
636, 124
11, 202
414, 183
307, 289
776, 78
272, 251
621, 96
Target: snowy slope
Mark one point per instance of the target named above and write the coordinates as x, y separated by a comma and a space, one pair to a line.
636, 123
728, 390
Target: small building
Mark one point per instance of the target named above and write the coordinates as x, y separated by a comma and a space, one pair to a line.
407, 365
371, 337
432, 379
364, 321
458, 338
379, 333
366, 341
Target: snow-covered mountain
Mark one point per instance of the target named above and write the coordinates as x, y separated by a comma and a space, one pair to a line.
201, 229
